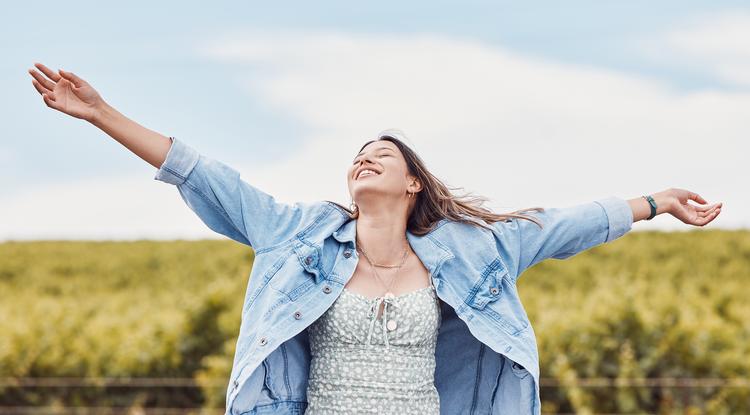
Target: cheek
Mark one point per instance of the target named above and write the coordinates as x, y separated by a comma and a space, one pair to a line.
393, 180
397, 173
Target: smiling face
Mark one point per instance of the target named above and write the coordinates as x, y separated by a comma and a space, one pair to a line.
379, 170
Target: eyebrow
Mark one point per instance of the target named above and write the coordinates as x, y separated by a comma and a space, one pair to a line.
380, 148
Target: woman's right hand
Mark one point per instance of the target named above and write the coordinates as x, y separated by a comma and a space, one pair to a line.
67, 93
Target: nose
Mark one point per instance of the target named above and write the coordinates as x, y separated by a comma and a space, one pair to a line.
362, 161
366, 157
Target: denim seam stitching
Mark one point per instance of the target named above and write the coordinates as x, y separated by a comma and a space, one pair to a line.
497, 385
215, 207
174, 173
608, 221
486, 273
286, 369
298, 235
477, 379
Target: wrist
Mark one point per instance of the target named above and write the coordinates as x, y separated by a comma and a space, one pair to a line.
100, 113
663, 202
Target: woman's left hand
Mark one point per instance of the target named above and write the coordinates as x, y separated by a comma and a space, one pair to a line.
678, 206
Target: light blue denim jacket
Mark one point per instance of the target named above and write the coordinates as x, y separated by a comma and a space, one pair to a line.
486, 358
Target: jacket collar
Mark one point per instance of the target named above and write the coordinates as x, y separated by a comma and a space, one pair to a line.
431, 252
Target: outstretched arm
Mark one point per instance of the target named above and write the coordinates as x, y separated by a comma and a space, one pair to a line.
147, 144
566, 231
230, 205
675, 202
70, 94
213, 190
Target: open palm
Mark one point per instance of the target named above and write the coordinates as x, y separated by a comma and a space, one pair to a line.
66, 92
692, 214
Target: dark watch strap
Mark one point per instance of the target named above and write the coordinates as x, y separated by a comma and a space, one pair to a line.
652, 204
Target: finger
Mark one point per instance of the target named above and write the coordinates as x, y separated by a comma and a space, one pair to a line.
706, 213
713, 215
707, 208
702, 214
713, 208
697, 198
47, 71
39, 87
70, 76
708, 218
42, 80
700, 221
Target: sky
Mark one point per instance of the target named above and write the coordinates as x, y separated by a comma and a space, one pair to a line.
528, 104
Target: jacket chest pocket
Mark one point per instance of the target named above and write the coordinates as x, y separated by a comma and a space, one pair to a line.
495, 295
298, 270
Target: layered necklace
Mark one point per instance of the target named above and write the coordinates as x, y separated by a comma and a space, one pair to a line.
391, 324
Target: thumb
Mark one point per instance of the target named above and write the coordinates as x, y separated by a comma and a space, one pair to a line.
70, 76
50, 102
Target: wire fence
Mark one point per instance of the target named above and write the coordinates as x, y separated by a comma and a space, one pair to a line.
142, 382
105, 410
684, 386
650, 382
137, 382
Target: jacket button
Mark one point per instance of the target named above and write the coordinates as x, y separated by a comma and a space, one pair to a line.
263, 341
494, 290
236, 383
297, 315
308, 260
347, 253
327, 289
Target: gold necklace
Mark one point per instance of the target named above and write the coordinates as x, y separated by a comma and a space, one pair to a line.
388, 293
391, 324
403, 258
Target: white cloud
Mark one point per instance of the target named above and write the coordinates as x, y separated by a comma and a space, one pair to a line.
116, 208
719, 42
521, 130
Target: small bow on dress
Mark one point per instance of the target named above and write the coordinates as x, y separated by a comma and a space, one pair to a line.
389, 302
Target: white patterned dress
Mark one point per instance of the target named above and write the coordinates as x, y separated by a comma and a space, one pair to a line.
359, 366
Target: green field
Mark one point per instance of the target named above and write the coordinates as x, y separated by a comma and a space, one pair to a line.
648, 305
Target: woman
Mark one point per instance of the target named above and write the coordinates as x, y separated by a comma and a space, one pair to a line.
404, 303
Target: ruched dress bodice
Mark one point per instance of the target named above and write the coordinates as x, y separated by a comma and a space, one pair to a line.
360, 365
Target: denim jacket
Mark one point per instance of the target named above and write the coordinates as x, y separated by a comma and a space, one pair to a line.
486, 357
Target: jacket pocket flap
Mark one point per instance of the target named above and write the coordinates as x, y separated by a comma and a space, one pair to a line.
489, 286
309, 257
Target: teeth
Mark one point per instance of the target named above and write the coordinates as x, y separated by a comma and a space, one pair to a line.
366, 172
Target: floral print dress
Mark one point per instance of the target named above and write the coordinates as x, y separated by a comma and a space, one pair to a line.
365, 363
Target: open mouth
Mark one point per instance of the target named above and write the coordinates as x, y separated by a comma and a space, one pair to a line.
366, 173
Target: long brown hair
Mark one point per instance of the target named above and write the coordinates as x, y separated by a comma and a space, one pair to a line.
436, 201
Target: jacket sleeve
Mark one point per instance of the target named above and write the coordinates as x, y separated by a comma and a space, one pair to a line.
226, 203
566, 231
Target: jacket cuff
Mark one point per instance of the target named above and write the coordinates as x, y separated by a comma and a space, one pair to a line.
180, 161
619, 216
